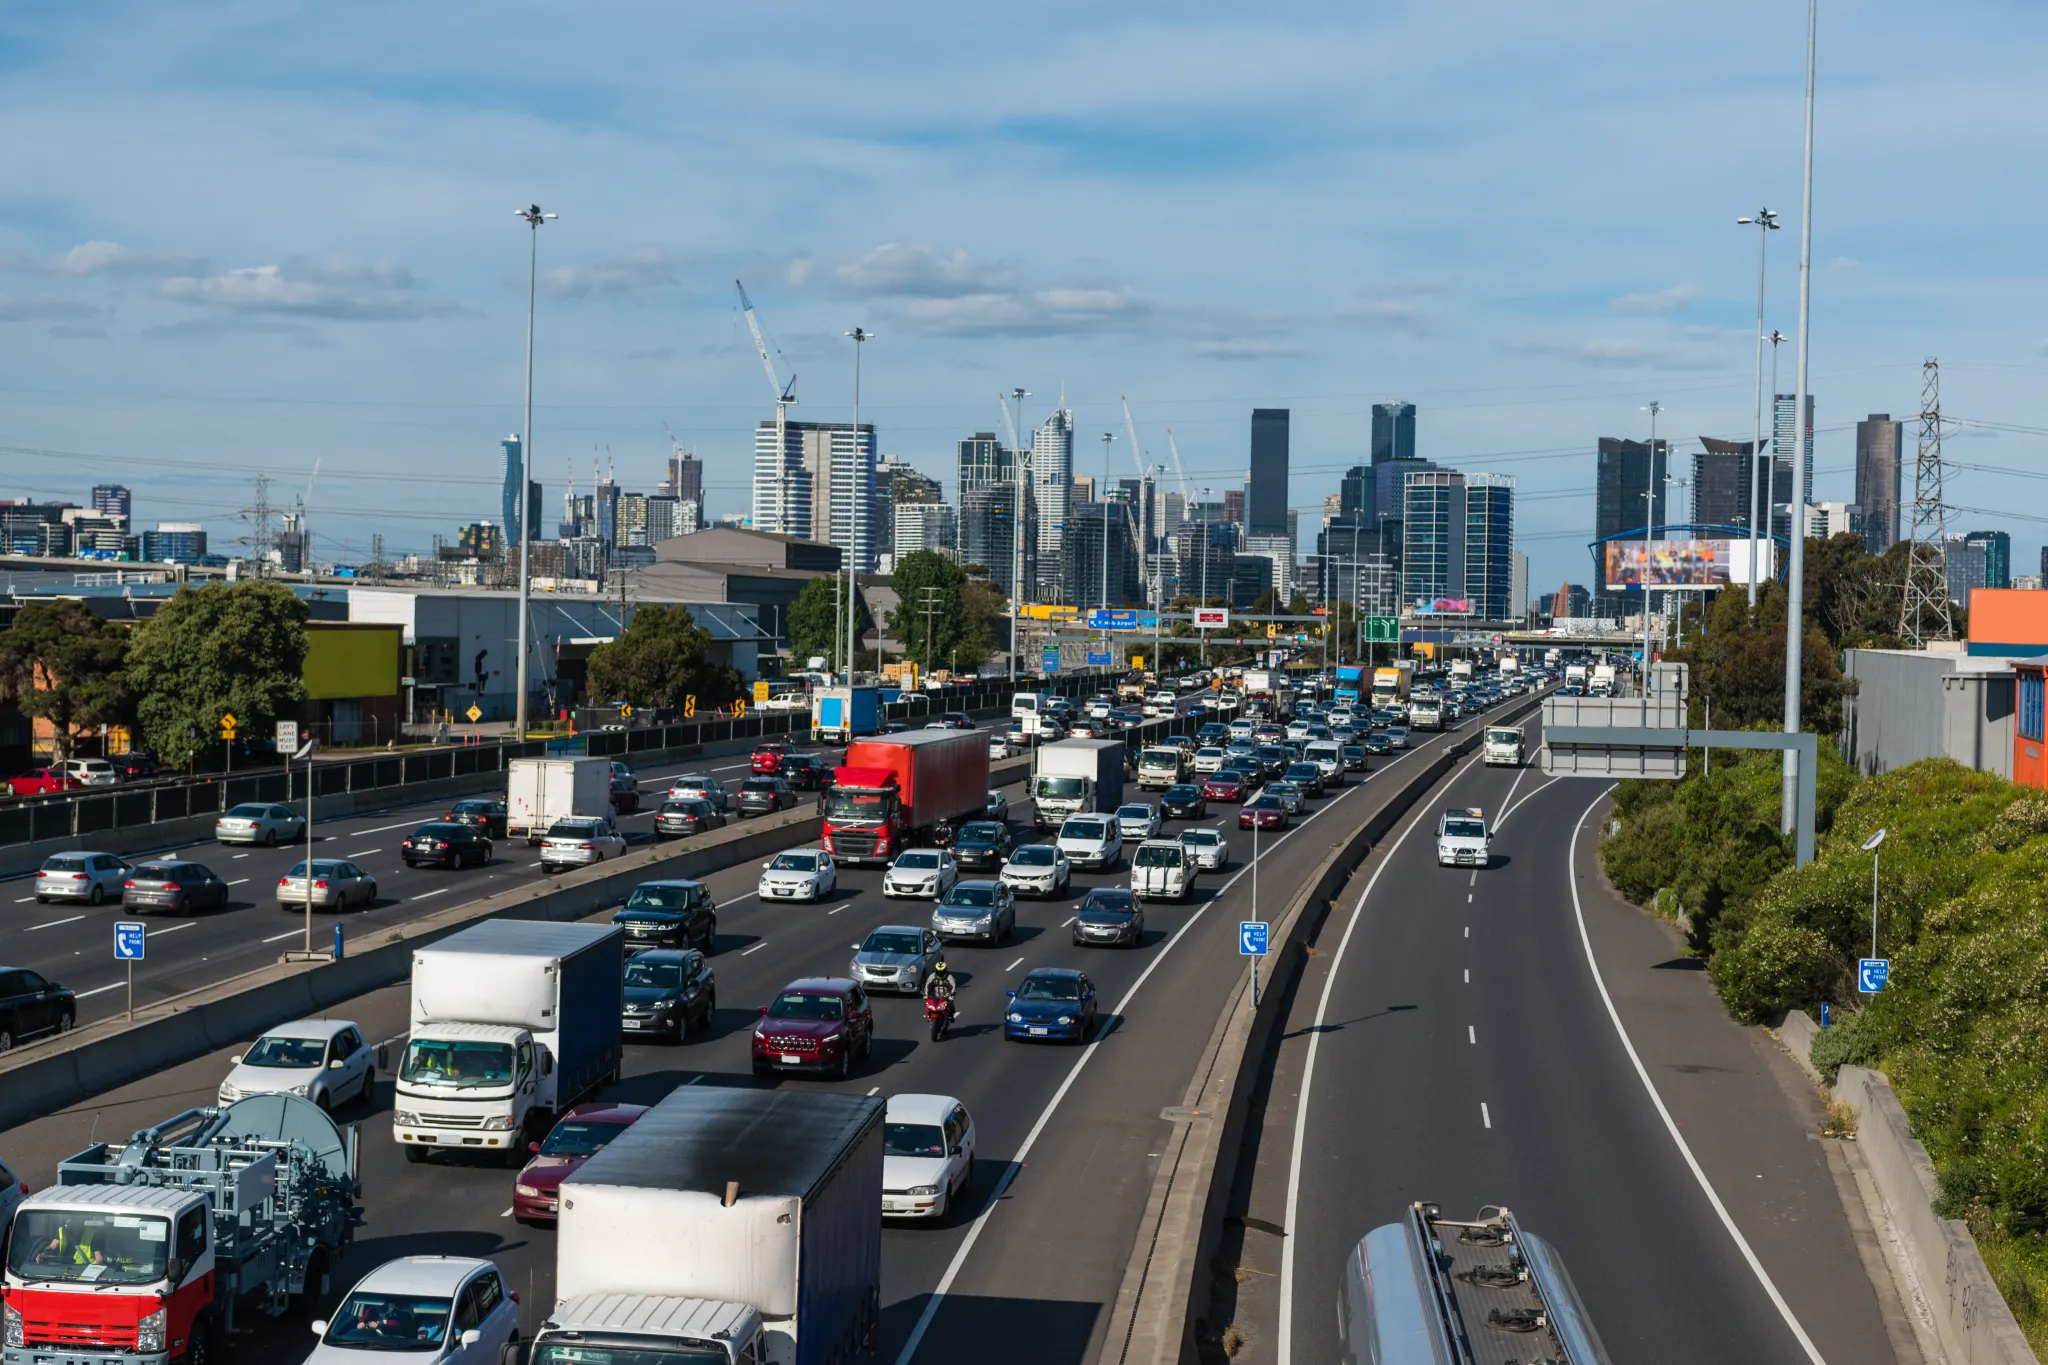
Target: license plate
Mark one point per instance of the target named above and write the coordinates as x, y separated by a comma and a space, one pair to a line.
788, 1060
784, 891
1038, 1032
636, 1023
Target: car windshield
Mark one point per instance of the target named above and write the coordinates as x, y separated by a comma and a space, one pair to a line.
1103, 898
1301, 772
463, 1065
918, 861
893, 941
978, 897
247, 811
980, 832
1284, 789
320, 869
660, 976
1060, 788
1203, 837
157, 872
388, 1322
692, 784
472, 807
1269, 801
794, 862
294, 1053
1083, 829
654, 897
913, 1139
1036, 987
579, 1137
1153, 855
1182, 792
98, 1247
1033, 855
1464, 829
802, 1005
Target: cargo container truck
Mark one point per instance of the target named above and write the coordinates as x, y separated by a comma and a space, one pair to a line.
1390, 685
1503, 747
540, 791
840, 715
513, 1021
895, 792
726, 1226
1350, 684
1077, 776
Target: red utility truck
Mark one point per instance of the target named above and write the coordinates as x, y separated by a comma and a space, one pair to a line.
903, 790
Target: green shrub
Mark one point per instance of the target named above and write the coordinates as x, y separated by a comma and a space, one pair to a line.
1848, 1041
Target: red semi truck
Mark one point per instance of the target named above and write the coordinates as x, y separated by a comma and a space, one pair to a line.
905, 790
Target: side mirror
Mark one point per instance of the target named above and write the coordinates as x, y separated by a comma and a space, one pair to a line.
533, 1147
1011, 994
761, 1009
335, 1065
235, 1060
764, 867
472, 1337
320, 1327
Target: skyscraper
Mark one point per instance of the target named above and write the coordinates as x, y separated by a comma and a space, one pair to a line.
111, 500
1354, 492
1083, 555
1782, 454
1265, 503
855, 528
1880, 462
1625, 472
1722, 476
685, 482
924, 526
1997, 555
1490, 546
984, 462
511, 470
822, 488
1433, 525
1968, 565
1052, 489
987, 532
1393, 431
1233, 506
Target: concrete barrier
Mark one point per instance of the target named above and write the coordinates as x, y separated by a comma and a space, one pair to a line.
1163, 1291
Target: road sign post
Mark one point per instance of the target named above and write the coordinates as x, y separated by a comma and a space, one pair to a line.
227, 733
128, 947
1252, 943
1871, 974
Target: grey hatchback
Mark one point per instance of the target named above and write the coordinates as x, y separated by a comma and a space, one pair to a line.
179, 886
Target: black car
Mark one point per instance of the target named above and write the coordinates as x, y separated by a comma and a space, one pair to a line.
488, 816
806, 772
669, 914
1378, 743
681, 816
445, 844
1183, 801
667, 993
1307, 776
957, 720
173, 885
31, 1004
1109, 915
133, 767
982, 844
1354, 758
894, 727
765, 795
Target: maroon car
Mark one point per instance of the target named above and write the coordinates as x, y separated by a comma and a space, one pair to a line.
1268, 812
575, 1140
819, 1023
1225, 784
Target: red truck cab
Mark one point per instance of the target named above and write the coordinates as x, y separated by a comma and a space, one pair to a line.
901, 789
114, 1272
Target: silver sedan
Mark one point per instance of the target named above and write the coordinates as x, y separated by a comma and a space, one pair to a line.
257, 822
337, 884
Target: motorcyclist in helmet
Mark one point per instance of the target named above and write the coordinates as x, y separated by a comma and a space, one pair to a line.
941, 985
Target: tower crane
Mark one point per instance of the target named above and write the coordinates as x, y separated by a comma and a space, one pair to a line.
785, 394
1187, 493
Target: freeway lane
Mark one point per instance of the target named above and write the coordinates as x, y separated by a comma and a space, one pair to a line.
1461, 1054
1050, 1256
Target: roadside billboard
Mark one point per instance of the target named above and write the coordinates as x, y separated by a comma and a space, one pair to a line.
1444, 606
1680, 565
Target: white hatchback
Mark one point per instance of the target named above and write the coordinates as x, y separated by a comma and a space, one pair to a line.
927, 1155
324, 1060
926, 873
798, 874
453, 1310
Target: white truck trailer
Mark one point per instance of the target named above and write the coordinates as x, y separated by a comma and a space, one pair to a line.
540, 791
1078, 777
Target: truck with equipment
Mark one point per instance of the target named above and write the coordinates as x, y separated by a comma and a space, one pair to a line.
513, 1022
840, 715
901, 790
142, 1253
540, 791
1425, 710
1076, 777
742, 1227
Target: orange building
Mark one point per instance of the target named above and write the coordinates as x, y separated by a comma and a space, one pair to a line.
2012, 623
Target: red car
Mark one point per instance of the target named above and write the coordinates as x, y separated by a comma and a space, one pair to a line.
1268, 812
39, 781
818, 1023
574, 1140
1226, 784
768, 758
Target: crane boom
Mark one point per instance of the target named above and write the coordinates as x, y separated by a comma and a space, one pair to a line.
1131, 428
1187, 493
1002, 401
782, 391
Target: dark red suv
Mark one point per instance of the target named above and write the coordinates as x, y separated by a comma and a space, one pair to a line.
818, 1023
1226, 784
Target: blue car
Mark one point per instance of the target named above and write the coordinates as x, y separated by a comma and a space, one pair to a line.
1051, 1002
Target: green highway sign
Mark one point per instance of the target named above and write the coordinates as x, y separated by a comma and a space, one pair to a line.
1383, 630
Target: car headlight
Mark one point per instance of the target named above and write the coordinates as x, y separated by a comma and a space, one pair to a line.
149, 1333
228, 1094
922, 1189
529, 1191
499, 1123
12, 1330
1015, 1018
404, 1118
1066, 1018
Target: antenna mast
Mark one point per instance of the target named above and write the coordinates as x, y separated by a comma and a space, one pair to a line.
1924, 612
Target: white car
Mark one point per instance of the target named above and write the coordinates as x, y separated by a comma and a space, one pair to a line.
1090, 841
259, 822
703, 788
1137, 821
798, 874
927, 873
1242, 729
927, 1156
1037, 870
324, 1060
1327, 756
89, 877
1000, 745
1297, 729
1164, 869
452, 1310
580, 841
1462, 839
1212, 850
1208, 760
93, 772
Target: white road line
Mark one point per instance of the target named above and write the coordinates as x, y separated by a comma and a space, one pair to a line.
1063, 923
53, 924
424, 894
837, 908
24, 900
289, 933
1600, 990
172, 929
362, 853
1507, 803
1468, 931
98, 990
238, 881
241, 855
1014, 965
1484, 1116
1533, 791
1473, 880
413, 823
755, 949
506, 1214
876, 1091
1468, 976
1471, 1035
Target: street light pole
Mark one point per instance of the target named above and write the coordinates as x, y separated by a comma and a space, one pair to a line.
1649, 540
1795, 569
1870, 847
1766, 223
856, 507
1205, 547
1020, 472
534, 218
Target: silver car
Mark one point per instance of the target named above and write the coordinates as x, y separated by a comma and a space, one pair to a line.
1212, 850
337, 884
981, 910
257, 822
706, 788
90, 877
1137, 821
1037, 870
896, 957
580, 841
921, 872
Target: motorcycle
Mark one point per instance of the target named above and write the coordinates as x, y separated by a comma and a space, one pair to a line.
939, 1010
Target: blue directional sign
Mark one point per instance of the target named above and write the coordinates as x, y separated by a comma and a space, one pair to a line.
1872, 973
1100, 619
128, 942
1049, 660
1100, 658
1251, 937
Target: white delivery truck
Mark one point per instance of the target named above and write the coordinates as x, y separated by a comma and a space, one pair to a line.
513, 1021
741, 1227
1603, 680
540, 791
1161, 767
1425, 711
1461, 670
1503, 746
1163, 869
1077, 777
1575, 675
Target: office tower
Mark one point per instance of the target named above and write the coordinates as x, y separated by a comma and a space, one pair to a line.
1518, 585
1278, 552
924, 526
1084, 488
1825, 520
1626, 470
1083, 550
1458, 537
1251, 578
661, 517
1173, 510
1354, 492
822, 488
632, 514
1490, 546
1052, 494
685, 482
1265, 508
1880, 464
1722, 477
1333, 508
690, 517
1393, 431
512, 470
1207, 554
175, 542
855, 527
1997, 556
903, 482
986, 532
1782, 453
1233, 506
1968, 565
984, 462
112, 500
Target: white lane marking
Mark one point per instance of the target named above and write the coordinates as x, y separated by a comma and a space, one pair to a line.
1468, 931
414, 823
289, 933
241, 855
1533, 791
755, 949
1507, 803
876, 1091
836, 909
1063, 923
1014, 965
1484, 1116
238, 881
1468, 976
173, 928
1471, 1035
24, 900
424, 894
1642, 1073
362, 853
98, 990
53, 924
506, 1214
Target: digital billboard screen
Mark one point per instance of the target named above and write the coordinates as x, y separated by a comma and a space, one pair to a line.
1698, 565
1444, 606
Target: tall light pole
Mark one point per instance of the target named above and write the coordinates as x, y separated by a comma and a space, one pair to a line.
1206, 547
1870, 847
1107, 438
1795, 569
1020, 470
534, 218
1652, 488
856, 508
1766, 223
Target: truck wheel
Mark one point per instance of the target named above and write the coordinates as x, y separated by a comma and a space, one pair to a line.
308, 1299
199, 1349
415, 1153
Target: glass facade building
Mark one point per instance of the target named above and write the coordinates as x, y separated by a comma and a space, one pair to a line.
1393, 431
1265, 503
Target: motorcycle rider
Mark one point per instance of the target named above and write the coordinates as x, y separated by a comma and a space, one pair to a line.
941, 985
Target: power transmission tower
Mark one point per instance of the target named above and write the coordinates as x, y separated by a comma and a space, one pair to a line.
377, 557
262, 539
1924, 606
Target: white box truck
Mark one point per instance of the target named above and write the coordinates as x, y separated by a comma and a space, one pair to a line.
540, 791
742, 1227
1503, 746
1077, 776
513, 1021
1602, 684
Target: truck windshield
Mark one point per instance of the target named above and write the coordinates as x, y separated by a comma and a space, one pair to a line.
1503, 736
466, 1066
1061, 788
99, 1247
1151, 855
587, 1352
859, 807
1161, 758
388, 1322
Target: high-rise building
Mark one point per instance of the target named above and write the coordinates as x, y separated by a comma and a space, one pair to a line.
632, 514
1265, 506
1825, 520
112, 500
1490, 546
1206, 552
685, 482
1782, 455
784, 492
1393, 431
1627, 470
511, 471
1233, 506
1518, 585
175, 542
1084, 548
905, 482
924, 526
1084, 488
1723, 473
822, 487
1052, 493
1173, 510
1880, 464
663, 512
987, 532
1968, 564
1458, 537
984, 462
1279, 552
1355, 491
1997, 556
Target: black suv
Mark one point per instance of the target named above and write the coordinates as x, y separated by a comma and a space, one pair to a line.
982, 844
668, 993
1183, 801
31, 1004
486, 815
806, 772
669, 914
765, 795
446, 845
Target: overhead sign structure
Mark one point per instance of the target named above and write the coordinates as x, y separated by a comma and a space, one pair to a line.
1872, 973
1100, 619
128, 941
1252, 937
1382, 630
1212, 618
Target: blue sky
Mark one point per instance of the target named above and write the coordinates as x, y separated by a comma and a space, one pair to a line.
242, 236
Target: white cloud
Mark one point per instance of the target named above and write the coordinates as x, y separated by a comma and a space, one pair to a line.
1673, 300
1044, 312
1385, 312
638, 270
113, 259
1841, 263
1614, 353
338, 288
1246, 348
901, 269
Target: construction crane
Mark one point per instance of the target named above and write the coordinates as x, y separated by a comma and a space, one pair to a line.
785, 394
1187, 493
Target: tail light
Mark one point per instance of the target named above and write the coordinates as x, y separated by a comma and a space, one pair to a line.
440, 845
281, 881
319, 886
587, 848
129, 885
78, 876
